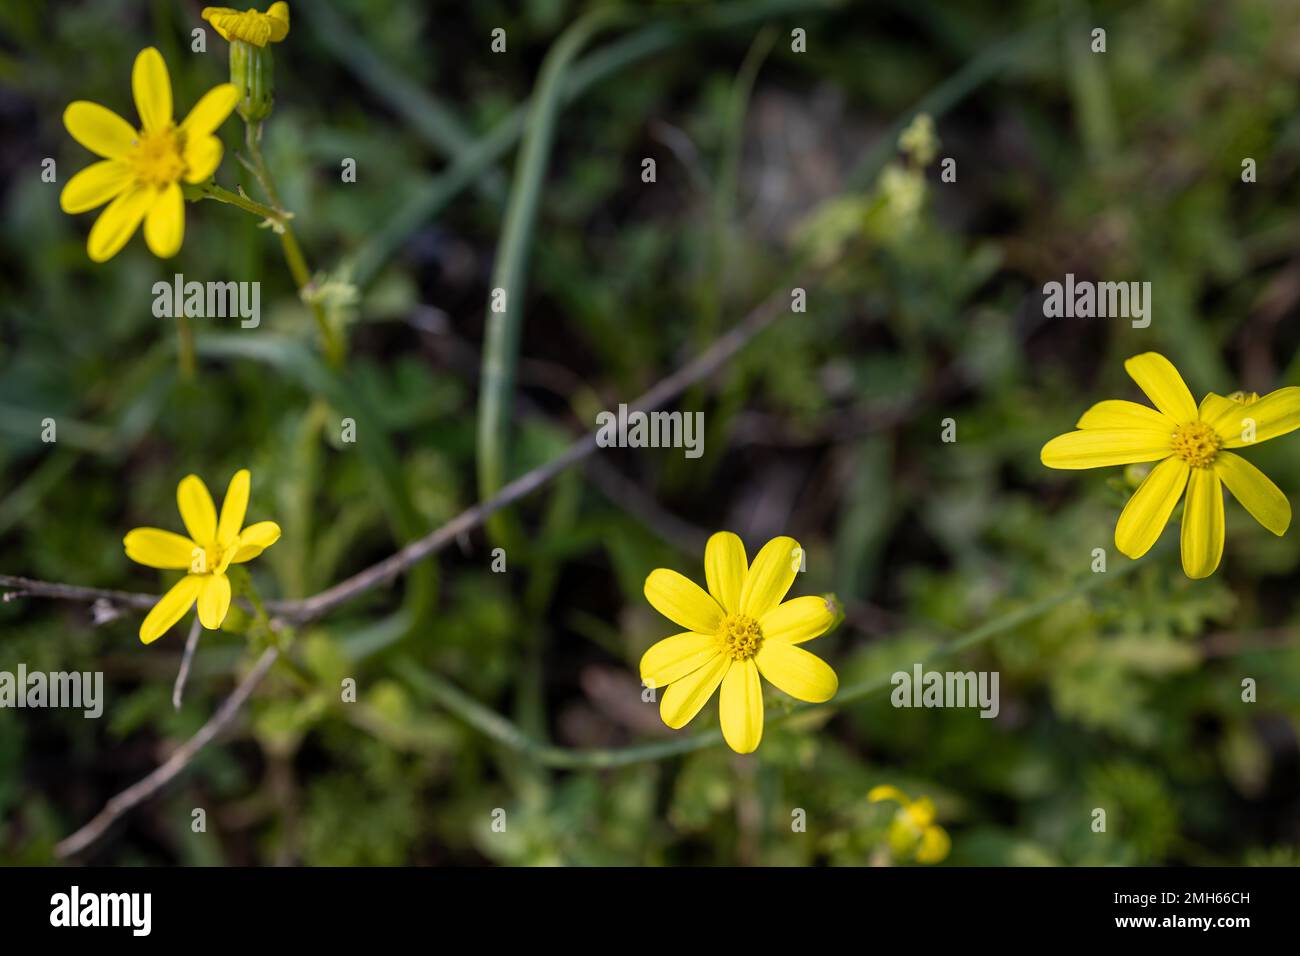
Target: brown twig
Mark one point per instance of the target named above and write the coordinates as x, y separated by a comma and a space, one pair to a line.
143, 789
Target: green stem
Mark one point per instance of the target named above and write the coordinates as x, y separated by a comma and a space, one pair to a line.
486, 721
211, 190
501, 340
331, 341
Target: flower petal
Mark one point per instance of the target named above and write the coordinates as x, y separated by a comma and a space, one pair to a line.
887, 791
1256, 492
682, 601
255, 539
1202, 524
725, 566
802, 675
233, 508
279, 14
214, 600
1099, 447
212, 109
1275, 414
197, 510
770, 576
797, 620
202, 155
674, 657
685, 696
1148, 511
156, 548
935, 844
99, 129
740, 707
152, 88
94, 186
1116, 413
171, 607
118, 223
1158, 378
164, 226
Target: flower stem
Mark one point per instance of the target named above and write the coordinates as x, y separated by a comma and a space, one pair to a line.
332, 342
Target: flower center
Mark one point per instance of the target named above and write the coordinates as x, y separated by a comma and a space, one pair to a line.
740, 636
1196, 443
156, 159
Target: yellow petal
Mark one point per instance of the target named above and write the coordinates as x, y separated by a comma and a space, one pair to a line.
1202, 524
674, 657
1275, 414
797, 620
1115, 413
887, 792
152, 88
1148, 511
214, 600
164, 226
1214, 405
279, 14
725, 566
802, 675
1256, 492
255, 539
935, 845
233, 508
1099, 447
118, 223
217, 16
156, 548
770, 576
95, 185
685, 696
197, 510
682, 601
741, 707
99, 129
171, 607
212, 109
1158, 378
202, 156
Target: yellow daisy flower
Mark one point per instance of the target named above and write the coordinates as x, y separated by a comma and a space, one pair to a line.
209, 550
250, 26
142, 169
735, 631
1190, 443
913, 832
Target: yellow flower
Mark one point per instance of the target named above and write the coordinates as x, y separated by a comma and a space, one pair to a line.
913, 832
250, 26
209, 550
142, 169
1190, 443
735, 631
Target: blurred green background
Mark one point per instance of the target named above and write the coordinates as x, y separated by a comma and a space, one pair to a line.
926, 306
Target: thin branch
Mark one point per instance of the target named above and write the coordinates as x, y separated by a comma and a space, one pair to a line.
191, 643
702, 367
142, 790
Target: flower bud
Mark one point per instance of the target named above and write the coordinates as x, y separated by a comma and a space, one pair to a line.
252, 70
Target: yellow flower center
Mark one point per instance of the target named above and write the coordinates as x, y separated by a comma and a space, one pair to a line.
158, 157
740, 636
1196, 443
214, 559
